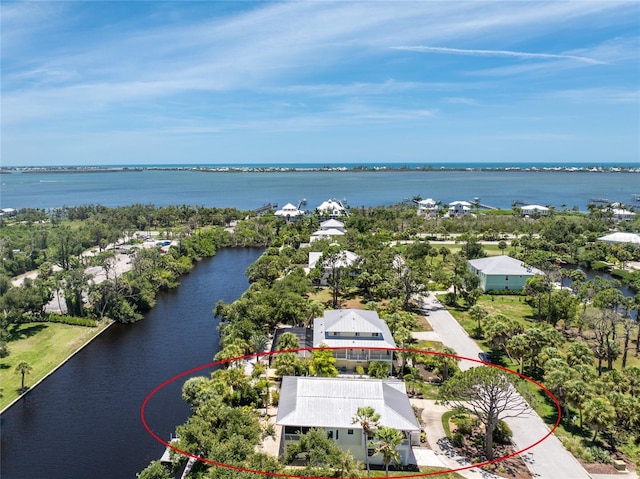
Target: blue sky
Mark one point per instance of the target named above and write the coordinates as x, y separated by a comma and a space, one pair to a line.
217, 82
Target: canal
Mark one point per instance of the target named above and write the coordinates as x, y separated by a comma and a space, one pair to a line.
84, 420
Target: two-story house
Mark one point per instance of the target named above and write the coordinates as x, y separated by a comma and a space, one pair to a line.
332, 403
360, 337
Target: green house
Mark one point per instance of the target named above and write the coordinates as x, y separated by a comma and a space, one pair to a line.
502, 272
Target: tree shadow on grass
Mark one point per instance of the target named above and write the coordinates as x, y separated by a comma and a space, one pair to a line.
24, 331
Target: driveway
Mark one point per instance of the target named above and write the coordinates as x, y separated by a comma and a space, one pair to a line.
547, 460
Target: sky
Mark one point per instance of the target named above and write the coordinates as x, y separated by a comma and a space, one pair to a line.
215, 82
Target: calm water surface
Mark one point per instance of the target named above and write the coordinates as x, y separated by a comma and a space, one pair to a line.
84, 420
251, 190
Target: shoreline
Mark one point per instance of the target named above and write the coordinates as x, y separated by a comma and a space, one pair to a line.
356, 168
58, 366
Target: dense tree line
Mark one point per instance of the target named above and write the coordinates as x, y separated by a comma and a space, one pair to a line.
54, 245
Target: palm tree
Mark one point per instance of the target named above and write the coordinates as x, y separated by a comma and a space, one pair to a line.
288, 342
388, 439
23, 368
367, 418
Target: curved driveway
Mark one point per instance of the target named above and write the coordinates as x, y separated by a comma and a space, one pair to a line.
547, 460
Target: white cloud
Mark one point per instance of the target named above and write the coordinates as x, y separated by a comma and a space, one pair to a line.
496, 53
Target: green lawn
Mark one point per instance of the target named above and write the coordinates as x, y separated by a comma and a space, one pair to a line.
423, 470
43, 346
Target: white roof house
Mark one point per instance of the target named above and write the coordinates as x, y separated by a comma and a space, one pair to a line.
530, 210
621, 237
305, 401
622, 214
332, 208
328, 229
332, 224
347, 258
502, 272
459, 208
427, 207
358, 335
332, 403
289, 212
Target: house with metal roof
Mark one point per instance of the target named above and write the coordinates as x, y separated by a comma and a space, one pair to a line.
621, 237
427, 207
332, 209
459, 208
344, 259
502, 272
328, 229
535, 210
332, 403
360, 337
289, 212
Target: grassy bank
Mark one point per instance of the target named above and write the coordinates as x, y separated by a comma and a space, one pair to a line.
44, 346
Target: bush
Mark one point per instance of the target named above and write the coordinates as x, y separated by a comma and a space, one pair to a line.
505, 292
600, 455
575, 447
464, 423
275, 397
72, 320
458, 439
502, 433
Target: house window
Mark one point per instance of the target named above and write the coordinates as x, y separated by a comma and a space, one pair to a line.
350, 432
329, 434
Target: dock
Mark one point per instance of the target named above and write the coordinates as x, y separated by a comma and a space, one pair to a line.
265, 208
486, 207
166, 455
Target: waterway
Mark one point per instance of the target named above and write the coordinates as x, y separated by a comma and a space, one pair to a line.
84, 420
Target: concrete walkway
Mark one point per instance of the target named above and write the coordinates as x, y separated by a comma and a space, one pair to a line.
547, 460
440, 444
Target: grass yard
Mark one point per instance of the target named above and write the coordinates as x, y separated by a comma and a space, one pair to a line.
43, 346
423, 470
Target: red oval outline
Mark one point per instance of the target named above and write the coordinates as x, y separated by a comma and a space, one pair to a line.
402, 350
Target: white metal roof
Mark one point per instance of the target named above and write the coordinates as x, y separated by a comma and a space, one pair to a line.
349, 258
621, 237
333, 402
503, 265
351, 321
289, 210
332, 223
328, 232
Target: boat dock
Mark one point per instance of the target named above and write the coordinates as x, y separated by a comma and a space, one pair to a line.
168, 461
166, 455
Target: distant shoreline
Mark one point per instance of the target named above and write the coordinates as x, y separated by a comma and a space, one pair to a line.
610, 168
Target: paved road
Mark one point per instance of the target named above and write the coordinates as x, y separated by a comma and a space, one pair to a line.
441, 446
547, 460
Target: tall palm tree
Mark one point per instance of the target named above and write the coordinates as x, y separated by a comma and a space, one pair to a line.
23, 368
367, 418
388, 440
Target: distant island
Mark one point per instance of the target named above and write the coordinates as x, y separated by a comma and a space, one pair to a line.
610, 168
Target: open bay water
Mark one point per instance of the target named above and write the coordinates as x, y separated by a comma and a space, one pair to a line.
164, 186
83, 421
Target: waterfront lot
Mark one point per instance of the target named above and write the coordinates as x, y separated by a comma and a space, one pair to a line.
44, 346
